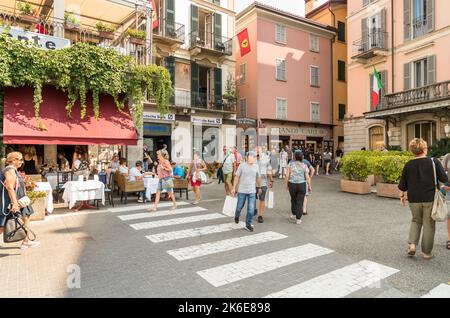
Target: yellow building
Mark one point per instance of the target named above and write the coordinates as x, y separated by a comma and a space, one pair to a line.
334, 13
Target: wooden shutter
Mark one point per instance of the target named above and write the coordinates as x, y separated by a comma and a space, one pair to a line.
194, 24
431, 64
406, 76
383, 33
217, 30
341, 70
218, 86
170, 66
384, 90
406, 20
430, 15
170, 18
341, 31
194, 84
364, 35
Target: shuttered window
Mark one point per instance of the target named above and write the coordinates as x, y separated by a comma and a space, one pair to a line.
314, 43
242, 73
280, 34
243, 108
341, 71
342, 111
281, 108
315, 76
281, 70
315, 112
341, 31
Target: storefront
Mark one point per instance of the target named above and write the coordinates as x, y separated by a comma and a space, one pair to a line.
157, 131
206, 135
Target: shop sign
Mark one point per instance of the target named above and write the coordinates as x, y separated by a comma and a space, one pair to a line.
246, 122
41, 40
299, 131
157, 116
206, 121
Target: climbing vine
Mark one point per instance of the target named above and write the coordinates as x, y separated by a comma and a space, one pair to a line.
82, 71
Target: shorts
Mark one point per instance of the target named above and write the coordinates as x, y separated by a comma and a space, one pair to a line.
196, 183
228, 177
160, 188
262, 196
327, 161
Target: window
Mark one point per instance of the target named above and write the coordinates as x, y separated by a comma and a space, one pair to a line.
425, 130
281, 70
376, 137
314, 43
341, 71
341, 31
281, 108
315, 112
420, 73
342, 111
280, 34
367, 2
242, 73
243, 108
315, 81
418, 18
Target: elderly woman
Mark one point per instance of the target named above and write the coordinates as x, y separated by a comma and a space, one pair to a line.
419, 182
164, 171
13, 189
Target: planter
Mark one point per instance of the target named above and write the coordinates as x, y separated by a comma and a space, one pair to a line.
371, 179
72, 27
378, 179
106, 35
356, 187
28, 18
388, 190
39, 210
137, 41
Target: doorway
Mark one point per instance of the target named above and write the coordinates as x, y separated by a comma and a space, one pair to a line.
376, 137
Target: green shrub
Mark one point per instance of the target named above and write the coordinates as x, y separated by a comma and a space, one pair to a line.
103, 27
441, 148
390, 167
138, 34
356, 166
25, 8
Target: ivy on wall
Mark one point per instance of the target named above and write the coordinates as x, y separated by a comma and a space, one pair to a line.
80, 69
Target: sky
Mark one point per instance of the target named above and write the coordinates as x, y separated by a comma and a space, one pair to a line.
293, 6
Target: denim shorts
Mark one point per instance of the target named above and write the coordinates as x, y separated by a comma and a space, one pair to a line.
160, 188
262, 196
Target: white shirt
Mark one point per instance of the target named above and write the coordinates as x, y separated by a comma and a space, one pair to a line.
134, 172
123, 170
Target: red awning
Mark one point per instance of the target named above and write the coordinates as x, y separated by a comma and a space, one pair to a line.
20, 126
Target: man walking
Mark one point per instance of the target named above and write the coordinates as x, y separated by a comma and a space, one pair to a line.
228, 169
246, 180
265, 171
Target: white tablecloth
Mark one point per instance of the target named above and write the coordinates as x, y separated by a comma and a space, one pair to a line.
151, 186
83, 191
45, 186
51, 178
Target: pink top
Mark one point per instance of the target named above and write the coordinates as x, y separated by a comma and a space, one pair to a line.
162, 173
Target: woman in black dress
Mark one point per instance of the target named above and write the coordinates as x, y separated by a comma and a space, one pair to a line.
30, 161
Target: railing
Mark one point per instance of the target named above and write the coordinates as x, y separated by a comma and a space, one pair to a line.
172, 30
210, 41
376, 39
420, 26
427, 94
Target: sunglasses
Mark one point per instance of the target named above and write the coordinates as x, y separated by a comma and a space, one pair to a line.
19, 159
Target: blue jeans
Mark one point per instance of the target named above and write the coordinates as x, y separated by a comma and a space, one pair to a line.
250, 206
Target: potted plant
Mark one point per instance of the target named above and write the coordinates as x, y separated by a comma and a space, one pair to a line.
389, 167
137, 36
106, 31
71, 22
37, 199
27, 12
356, 168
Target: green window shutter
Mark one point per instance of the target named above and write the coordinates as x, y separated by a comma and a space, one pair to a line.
217, 30
218, 86
341, 111
341, 71
170, 18
406, 20
170, 66
341, 31
194, 84
194, 24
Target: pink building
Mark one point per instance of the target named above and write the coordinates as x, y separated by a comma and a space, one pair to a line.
408, 42
285, 82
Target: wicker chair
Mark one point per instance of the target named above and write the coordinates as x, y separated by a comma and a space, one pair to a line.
181, 185
126, 186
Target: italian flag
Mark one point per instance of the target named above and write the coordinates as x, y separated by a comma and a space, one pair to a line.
376, 90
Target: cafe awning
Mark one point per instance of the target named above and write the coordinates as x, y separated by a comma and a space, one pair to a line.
21, 127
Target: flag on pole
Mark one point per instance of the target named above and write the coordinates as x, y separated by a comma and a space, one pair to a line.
244, 42
376, 89
154, 15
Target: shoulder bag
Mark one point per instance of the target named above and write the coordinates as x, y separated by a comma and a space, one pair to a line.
439, 211
15, 229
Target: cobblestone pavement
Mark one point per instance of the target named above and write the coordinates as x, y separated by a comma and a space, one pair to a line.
348, 246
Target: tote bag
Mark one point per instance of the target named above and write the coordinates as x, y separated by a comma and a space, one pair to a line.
270, 200
229, 207
439, 211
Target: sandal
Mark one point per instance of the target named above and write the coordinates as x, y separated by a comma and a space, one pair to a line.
411, 252
152, 209
427, 257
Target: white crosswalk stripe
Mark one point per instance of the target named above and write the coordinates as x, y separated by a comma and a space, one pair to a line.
195, 232
229, 273
195, 251
339, 283
191, 219
142, 206
147, 214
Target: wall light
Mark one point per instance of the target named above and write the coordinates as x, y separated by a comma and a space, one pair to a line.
447, 130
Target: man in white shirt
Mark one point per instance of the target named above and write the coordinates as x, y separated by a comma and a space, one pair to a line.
135, 173
228, 169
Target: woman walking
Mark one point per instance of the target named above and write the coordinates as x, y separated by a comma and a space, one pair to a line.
283, 163
317, 161
297, 180
419, 182
194, 173
164, 172
327, 157
13, 189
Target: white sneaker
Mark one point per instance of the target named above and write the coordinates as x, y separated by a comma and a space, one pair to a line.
293, 217
298, 222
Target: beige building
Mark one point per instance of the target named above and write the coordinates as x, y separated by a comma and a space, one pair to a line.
407, 41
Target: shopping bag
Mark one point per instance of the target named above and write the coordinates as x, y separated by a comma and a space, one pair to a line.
229, 207
270, 200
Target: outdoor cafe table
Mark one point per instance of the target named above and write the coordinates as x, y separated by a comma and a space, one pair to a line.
83, 191
45, 186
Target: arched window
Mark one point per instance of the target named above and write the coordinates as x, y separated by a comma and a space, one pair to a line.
376, 137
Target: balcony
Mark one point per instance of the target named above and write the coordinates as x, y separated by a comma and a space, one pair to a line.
206, 42
425, 98
370, 45
420, 26
169, 33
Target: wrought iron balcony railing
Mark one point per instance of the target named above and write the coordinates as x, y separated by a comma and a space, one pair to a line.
211, 41
376, 39
172, 30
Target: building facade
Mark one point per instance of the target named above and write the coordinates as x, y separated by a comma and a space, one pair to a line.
284, 83
334, 13
193, 39
407, 42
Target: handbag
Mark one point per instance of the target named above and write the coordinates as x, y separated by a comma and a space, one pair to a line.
270, 200
229, 207
24, 201
15, 229
167, 183
439, 212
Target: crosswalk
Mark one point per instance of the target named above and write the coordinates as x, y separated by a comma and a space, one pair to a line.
337, 283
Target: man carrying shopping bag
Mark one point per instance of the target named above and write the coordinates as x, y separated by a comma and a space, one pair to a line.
246, 179
265, 172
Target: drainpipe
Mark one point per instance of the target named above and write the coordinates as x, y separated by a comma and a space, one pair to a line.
332, 77
392, 67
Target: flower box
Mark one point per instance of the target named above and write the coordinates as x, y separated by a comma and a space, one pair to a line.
71, 26
106, 35
357, 187
137, 41
39, 210
388, 190
29, 18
